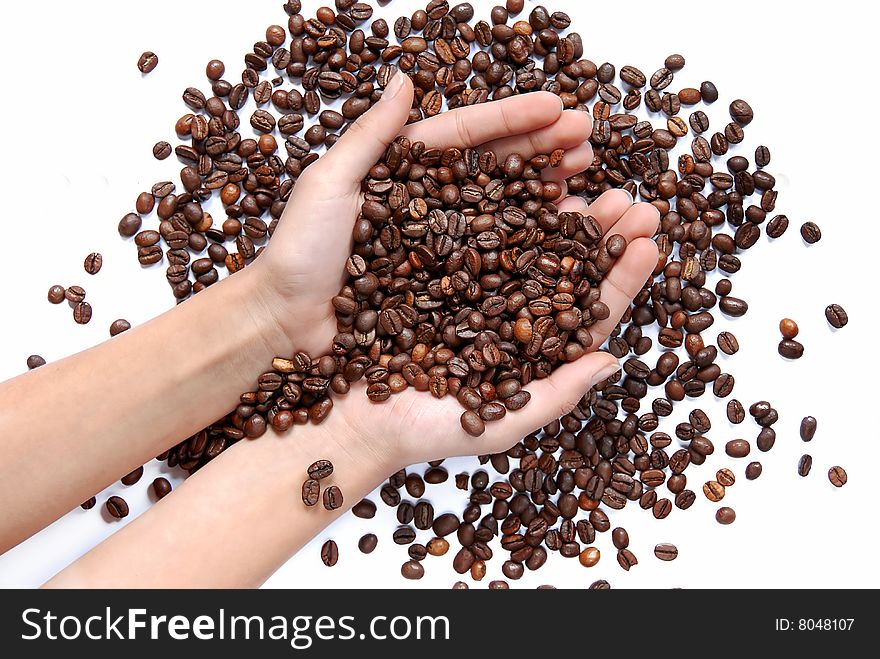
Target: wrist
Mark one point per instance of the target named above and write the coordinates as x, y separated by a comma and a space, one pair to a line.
259, 306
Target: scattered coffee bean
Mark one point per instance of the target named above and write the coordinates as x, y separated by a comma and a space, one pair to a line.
837, 476
725, 515
666, 551
725, 476
805, 464
161, 150
329, 553
412, 570
737, 448
56, 294
808, 428
133, 477
788, 328
713, 490
753, 470
75, 294
320, 469
147, 61
811, 233
332, 498
161, 487
119, 326
836, 316
117, 507
791, 349
311, 492
82, 313
93, 263
88, 504
368, 543
35, 361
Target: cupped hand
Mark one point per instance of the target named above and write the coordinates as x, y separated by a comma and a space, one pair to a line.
304, 265
302, 268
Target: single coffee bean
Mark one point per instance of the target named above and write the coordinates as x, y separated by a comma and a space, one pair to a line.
836, 316
117, 507
788, 328
753, 470
737, 448
332, 498
88, 504
735, 412
56, 294
620, 538
93, 263
725, 476
129, 225
713, 490
805, 464
412, 570
811, 233
472, 423
741, 112
119, 326
133, 477
320, 469
75, 294
837, 476
728, 343
161, 150
368, 543
666, 551
589, 557
311, 491
626, 559
725, 515
35, 361
329, 553
791, 349
777, 226
147, 61
82, 313
808, 428
161, 487
365, 509
708, 92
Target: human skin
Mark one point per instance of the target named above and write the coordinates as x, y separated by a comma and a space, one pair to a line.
192, 362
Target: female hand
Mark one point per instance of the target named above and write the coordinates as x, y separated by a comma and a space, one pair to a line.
303, 267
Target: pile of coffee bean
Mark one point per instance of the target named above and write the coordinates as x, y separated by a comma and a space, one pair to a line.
465, 280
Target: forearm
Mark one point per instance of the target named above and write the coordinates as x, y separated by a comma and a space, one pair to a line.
238, 519
72, 427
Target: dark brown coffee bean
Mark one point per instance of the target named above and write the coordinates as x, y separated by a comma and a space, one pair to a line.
791, 349
808, 428
35, 361
329, 553
56, 294
82, 313
311, 491
89, 503
666, 551
741, 112
836, 316
725, 515
811, 233
320, 469
805, 464
117, 507
93, 263
133, 477
753, 470
161, 488
332, 498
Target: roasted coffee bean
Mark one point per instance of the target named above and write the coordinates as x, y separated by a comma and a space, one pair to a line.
725, 515
82, 313
35, 361
161, 488
753, 470
791, 349
735, 412
737, 448
117, 507
329, 553
805, 464
666, 551
777, 226
368, 543
725, 476
811, 233
147, 61
320, 469
365, 509
713, 490
788, 328
837, 476
311, 492
836, 316
808, 428
56, 294
89, 503
119, 326
412, 570
93, 263
133, 477
741, 112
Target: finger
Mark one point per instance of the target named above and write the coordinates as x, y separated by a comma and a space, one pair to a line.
367, 139
639, 220
477, 124
610, 207
625, 279
552, 397
574, 162
572, 205
571, 130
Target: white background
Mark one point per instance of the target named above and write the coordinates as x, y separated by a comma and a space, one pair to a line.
79, 121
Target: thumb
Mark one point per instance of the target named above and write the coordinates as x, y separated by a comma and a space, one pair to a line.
366, 140
552, 397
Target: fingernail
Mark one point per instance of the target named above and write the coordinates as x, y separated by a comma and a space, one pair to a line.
393, 87
605, 373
